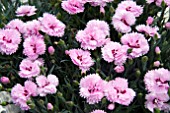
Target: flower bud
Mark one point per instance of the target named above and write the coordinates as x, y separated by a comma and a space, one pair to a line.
51, 50
4, 80
138, 73
119, 69
50, 106
157, 50
111, 106
167, 25
4, 103
144, 59
70, 103
156, 64
149, 21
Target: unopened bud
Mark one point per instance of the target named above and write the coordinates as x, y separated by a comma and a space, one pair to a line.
144, 59
4, 80
50, 106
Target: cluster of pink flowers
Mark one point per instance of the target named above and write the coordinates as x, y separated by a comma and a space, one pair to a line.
94, 35
94, 88
125, 16
77, 6
33, 47
159, 2
22, 94
156, 82
80, 58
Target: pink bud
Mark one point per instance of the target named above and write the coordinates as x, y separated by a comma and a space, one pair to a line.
157, 50
4, 80
111, 106
119, 69
49, 106
51, 50
167, 25
149, 21
102, 10
156, 63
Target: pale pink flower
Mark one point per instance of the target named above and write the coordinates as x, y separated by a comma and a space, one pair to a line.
51, 25
9, 41
114, 52
156, 63
150, 20
151, 31
122, 21
81, 58
47, 85
157, 50
130, 6
33, 47
137, 43
167, 2
26, 10
51, 50
94, 35
16, 24
32, 28
50, 106
4, 80
156, 100
28, 69
21, 94
92, 88
98, 111
167, 25
123, 95
111, 106
119, 69
39, 61
158, 2
157, 80
73, 6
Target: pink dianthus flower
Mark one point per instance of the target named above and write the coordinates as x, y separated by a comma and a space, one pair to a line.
113, 51
51, 25
92, 88
28, 69
21, 94
81, 58
137, 43
34, 46
26, 10
9, 41
47, 85
157, 80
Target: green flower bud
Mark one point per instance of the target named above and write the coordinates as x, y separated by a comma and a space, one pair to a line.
1, 87
144, 59
111, 9
4, 103
104, 101
138, 73
70, 103
76, 82
59, 94
130, 61
59, 15
41, 102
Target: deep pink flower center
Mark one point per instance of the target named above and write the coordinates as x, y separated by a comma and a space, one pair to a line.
136, 45
34, 48
25, 93
8, 41
156, 101
159, 82
80, 58
93, 89
120, 91
124, 21
28, 68
114, 52
128, 8
52, 27
46, 84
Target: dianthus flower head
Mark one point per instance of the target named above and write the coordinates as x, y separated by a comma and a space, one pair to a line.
94, 34
16, 24
47, 85
81, 58
26, 10
123, 20
34, 46
21, 94
28, 69
73, 6
51, 25
157, 80
114, 52
130, 6
92, 88
9, 41
137, 43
